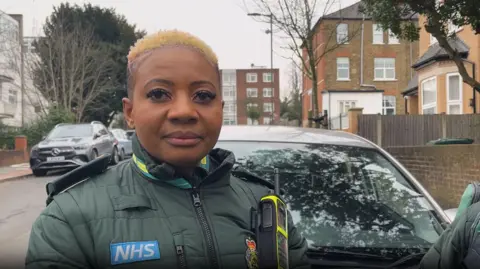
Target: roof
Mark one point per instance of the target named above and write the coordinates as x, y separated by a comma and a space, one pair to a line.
268, 133
412, 85
435, 52
353, 12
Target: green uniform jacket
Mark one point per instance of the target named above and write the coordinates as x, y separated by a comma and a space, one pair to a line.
459, 245
139, 215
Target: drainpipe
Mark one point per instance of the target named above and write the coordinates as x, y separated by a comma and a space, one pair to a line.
411, 60
361, 50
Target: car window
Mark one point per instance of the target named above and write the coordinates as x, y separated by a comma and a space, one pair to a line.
344, 197
74, 130
119, 134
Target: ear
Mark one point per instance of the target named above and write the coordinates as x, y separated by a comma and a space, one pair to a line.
128, 112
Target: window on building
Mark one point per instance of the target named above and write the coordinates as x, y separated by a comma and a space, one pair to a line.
392, 38
429, 96
229, 108
344, 106
228, 91
267, 77
252, 121
267, 92
377, 34
12, 96
251, 77
454, 94
342, 33
229, 121
267, 120
228, 78
268, 107
389, 104
252, 92
384, 68
251, 105
343, 68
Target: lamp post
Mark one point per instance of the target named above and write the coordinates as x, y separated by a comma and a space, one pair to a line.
270, 16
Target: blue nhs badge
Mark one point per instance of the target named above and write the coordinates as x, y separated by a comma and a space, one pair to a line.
129, 252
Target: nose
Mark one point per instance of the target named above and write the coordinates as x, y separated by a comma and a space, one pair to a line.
183, 110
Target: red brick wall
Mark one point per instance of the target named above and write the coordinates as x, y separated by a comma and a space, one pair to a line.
10, 157
444, 171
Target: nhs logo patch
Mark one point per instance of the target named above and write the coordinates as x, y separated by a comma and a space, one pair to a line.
129, 252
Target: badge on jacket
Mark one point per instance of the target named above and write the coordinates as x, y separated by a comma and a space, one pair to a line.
129, 252
251, 254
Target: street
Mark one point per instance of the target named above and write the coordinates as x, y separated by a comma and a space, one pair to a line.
22, 201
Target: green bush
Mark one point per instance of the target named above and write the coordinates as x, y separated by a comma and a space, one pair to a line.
35, 130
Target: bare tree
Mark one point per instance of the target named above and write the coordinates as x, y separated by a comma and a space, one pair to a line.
296, 19
73, 70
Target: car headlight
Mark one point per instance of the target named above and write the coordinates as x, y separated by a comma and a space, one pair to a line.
34, 150
85, 146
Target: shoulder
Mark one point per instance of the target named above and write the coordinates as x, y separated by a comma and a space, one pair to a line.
258, 185
93, 175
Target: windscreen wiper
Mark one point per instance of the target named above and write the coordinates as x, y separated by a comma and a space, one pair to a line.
407, 259
331, 258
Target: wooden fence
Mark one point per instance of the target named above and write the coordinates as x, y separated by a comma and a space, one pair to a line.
417, 130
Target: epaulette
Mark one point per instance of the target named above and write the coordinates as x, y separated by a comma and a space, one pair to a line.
78, 174
246, 175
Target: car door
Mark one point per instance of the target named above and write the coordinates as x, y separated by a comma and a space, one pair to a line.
107, 140
128, 143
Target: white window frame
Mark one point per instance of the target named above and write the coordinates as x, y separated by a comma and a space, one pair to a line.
384, 59
384, 108
342, 104
392, 39
272, 105
377, 31
12, 95
433, 104
266, 90
339, 59
249, 90
251, 77
267, 120
342, 33
228, 91
460, 94
268, 77
252, 122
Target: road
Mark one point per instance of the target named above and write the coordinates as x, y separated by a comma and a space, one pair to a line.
21, 203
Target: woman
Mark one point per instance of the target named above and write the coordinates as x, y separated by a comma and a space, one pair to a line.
175, 204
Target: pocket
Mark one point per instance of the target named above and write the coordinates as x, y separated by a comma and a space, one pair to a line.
180, 250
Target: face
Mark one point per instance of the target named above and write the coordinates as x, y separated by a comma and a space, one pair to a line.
176, 105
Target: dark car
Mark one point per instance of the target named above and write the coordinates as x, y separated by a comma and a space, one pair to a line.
355, 204
71, 145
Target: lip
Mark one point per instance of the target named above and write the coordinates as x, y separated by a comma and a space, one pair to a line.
183, 139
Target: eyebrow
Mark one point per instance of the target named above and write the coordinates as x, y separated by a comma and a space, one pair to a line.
171, 84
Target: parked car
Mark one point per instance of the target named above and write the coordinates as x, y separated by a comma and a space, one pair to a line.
355, 204
124, 143
71, 145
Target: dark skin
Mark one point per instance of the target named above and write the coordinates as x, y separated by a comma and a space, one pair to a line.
175, 106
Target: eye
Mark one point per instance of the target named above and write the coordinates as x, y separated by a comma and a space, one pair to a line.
204, 96
158, 95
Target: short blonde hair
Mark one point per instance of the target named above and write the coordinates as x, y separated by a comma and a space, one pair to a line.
170, 38
164, 39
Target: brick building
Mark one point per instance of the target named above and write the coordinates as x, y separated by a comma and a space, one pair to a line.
367, 68
441, 87
252, 96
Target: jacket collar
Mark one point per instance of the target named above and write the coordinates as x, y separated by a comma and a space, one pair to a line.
213, 168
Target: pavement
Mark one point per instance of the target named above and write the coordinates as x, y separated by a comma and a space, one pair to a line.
21, 203
13, 172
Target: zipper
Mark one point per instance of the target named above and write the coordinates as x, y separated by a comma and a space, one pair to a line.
181, 257
178, 239
206, 228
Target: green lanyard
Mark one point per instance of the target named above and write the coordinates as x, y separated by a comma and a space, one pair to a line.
177, 182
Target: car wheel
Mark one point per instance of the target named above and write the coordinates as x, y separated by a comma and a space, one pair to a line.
39, 173
122, 155
115, 156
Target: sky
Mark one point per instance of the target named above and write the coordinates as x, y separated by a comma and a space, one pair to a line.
238, 40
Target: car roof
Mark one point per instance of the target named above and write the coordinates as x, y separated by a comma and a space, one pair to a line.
269, 133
